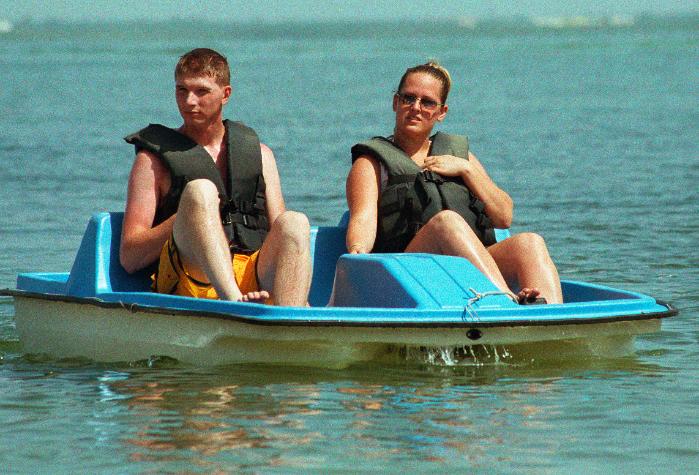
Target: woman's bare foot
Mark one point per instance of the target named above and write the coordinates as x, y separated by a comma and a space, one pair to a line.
528, 296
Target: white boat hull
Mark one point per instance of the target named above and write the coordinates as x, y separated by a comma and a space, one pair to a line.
74, 329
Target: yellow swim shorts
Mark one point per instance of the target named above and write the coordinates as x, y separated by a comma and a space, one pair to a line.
172, 278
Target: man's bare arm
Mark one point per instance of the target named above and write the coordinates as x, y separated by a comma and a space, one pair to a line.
273, 187
140, 241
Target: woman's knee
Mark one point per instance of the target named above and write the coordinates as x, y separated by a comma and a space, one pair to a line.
531, 244
446, 220
446, 233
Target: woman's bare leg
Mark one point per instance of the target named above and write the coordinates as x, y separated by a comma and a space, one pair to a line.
525, 263
449, 234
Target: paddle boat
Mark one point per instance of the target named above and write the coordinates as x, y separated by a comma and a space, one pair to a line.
380, 303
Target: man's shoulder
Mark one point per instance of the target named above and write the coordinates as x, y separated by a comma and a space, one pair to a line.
154, 135
237, 124
266, 150
150, 160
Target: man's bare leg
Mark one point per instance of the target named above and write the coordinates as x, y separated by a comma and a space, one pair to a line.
284, 264
201, 242
449, 234
524, 261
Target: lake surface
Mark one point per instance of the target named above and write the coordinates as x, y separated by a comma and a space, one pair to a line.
593, 131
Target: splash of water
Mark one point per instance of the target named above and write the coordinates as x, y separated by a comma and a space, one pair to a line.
468, 355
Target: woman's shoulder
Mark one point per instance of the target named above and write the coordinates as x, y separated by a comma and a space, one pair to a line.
375, 148
450, 144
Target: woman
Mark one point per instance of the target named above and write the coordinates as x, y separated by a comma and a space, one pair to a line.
418, 192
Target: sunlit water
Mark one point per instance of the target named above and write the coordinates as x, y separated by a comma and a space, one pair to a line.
592, 131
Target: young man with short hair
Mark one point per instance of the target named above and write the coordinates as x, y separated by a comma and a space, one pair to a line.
205, 201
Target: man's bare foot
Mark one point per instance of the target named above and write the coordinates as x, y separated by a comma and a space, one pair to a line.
259, 296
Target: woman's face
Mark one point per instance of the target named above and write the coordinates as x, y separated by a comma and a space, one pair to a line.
424, 92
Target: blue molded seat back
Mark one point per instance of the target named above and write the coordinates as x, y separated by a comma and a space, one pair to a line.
327, 245
121, 280
411, 281
96, 268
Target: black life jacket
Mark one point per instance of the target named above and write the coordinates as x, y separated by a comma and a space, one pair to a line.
243, 208
411, 197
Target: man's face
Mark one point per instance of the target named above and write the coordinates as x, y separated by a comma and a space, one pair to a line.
200, 99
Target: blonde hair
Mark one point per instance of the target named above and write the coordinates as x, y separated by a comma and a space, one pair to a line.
434, 69
204, 62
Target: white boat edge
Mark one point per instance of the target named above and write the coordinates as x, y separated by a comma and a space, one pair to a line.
72, 329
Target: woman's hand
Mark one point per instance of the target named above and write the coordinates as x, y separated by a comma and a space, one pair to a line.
447, 165
356, 249
498, 204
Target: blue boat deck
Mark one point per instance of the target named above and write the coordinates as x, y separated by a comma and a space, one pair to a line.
408, 289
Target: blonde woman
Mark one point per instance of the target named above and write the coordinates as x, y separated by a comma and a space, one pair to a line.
416, 191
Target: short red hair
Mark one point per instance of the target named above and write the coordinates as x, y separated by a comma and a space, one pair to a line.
204, 62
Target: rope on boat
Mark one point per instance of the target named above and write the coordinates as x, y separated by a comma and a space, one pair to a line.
131, 307
469, 310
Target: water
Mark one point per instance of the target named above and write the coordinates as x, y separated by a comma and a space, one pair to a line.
593, 131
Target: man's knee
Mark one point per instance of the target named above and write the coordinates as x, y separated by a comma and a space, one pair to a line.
293, 227
201, 193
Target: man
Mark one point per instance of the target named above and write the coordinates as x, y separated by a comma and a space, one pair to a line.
205, 200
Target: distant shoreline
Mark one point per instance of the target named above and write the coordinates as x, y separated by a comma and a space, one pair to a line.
517, 21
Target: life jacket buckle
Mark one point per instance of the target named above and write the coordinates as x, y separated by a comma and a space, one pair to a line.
225, 216
227, 209
432, 177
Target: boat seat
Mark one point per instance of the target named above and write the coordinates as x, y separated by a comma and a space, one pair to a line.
411, 281
97, 270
